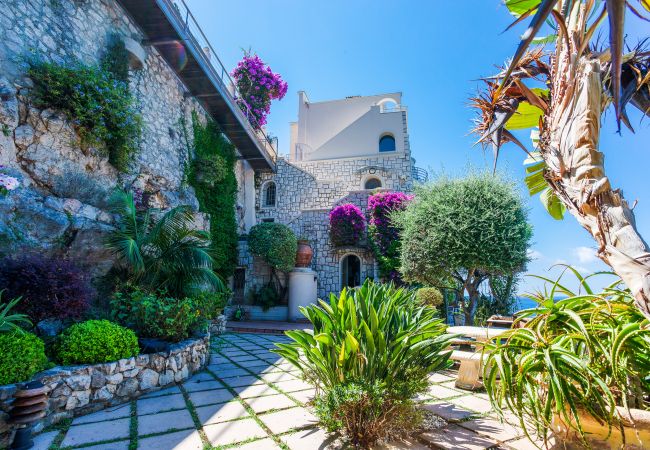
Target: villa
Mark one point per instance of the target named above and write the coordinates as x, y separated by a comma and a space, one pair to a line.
341, 151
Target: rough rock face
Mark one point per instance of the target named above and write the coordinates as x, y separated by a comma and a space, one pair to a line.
79, 390
60, 207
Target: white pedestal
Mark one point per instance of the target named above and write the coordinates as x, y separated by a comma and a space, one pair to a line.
302, 291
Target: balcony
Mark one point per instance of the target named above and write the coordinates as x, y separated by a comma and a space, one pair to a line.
420, 175
171, 28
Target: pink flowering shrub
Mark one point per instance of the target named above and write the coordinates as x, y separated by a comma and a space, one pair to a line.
258, 85
347, 225
384, 237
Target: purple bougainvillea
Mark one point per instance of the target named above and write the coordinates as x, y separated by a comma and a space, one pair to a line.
384, 237
258, 85
347, 225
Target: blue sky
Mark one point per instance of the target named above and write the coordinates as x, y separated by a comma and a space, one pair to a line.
433, 52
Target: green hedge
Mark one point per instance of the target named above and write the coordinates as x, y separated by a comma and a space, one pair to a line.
21, 356
275, 243
95, 341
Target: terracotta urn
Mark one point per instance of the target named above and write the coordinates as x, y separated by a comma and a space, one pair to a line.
304, 253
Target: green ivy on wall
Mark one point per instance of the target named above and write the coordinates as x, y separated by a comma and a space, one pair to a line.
212, 175
95, 99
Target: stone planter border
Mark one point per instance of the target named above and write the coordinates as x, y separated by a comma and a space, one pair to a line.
79, 390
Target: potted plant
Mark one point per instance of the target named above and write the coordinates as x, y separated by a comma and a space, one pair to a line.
577, 370
305, 253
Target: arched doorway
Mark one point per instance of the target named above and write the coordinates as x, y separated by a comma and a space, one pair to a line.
350, 271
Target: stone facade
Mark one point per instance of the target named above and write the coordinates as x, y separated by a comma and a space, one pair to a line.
306, 191
79, 390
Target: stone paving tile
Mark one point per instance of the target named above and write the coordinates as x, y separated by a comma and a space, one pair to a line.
304, 396
224, 366
203, 386
167, 421
159, 404
226, 433
44, 440
262, 444
262, 404
239, 359
492, 428
116, 412
278, 376
438, 391
209, 397
166, 391
119, 445
227, 373
312, 438
448, 411
179, 440
293, 385
409, 443
201, 376
221, 412
253, 363
281, 421
525, 444
473, 403
256, 390
244, 380
453, 437
96, 432
440, 377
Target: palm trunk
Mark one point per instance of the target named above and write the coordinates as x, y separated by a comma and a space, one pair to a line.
576, 166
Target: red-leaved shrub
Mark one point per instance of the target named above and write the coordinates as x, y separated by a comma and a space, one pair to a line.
49, 287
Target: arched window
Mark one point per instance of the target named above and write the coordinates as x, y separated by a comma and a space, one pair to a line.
372, 183
269, 194
350, 271
387, 143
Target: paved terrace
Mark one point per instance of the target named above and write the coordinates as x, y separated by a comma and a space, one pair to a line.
249, 398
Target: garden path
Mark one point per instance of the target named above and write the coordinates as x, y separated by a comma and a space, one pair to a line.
249, 398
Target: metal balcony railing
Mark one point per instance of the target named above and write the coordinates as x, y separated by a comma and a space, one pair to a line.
218, 72
420, 175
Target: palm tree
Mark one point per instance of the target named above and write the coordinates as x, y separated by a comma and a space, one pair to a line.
165, 254
579, 82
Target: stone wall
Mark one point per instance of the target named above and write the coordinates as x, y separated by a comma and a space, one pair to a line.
79, 390
59, 206
306, 193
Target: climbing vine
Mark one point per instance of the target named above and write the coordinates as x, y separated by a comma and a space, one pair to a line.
211, 173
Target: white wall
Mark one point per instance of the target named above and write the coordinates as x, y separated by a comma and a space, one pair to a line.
350, 127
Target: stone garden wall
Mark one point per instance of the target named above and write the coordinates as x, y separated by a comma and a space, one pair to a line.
79, 390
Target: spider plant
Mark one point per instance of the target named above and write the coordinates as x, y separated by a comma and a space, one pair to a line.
163, 254
374, 332
580, 353
8, 321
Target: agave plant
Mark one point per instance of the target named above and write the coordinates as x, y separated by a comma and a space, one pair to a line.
583, 353
166, 254
374, 332
562, 95
8, 321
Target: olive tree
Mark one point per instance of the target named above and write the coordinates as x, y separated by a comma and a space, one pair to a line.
462, 231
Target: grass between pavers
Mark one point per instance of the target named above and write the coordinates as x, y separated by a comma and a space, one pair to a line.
133, 426
195, 418
62, 427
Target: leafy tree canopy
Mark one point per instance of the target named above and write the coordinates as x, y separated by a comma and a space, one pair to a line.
464, 230
275, 243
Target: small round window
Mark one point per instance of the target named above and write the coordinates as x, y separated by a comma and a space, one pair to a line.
387, 143
372, 183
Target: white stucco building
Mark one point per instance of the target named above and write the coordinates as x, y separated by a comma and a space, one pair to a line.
339, 152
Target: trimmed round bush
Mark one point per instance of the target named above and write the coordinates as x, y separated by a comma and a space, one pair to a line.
429, 296
275, 243
96, 341
22, 355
